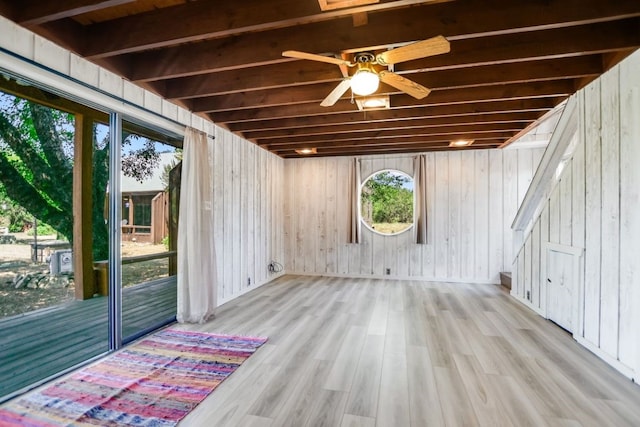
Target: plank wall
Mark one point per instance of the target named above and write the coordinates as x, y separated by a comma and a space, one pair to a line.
472, 197
248, 209
595, 205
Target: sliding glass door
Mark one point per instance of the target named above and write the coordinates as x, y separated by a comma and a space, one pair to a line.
52, 316
87, 255
148, 284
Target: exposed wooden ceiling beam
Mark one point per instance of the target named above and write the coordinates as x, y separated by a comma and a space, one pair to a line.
202, 23
291, 73
402, 142
379, 116
407, 126
411, 148
471, 20
510, 63
440, 80
545, 89
549, 44
36, 12
398, 134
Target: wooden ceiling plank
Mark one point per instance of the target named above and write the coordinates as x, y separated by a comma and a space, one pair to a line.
535, 45
456, 20
398, 133
511, 117
399, 142
407, 114
213, 19
543, 89
441, 80
272, 76
409, 150
37, 12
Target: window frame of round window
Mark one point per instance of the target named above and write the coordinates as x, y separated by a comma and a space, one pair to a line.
361, 202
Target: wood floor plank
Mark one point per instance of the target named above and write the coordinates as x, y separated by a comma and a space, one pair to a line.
344, 366
328, 409
295, 411
515, 402
355, 421
424, 399
457, 409
487, 408
253, 421
363, 395
410, 354
393, 398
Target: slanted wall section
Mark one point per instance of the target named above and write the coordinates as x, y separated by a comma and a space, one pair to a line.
593, 209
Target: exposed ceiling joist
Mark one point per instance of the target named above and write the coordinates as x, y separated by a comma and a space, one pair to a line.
509, 63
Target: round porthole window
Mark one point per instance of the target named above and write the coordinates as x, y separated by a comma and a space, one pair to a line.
386, 202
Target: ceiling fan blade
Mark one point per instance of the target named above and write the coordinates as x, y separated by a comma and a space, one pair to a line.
408, 86
314, 57
336, 93
433, 46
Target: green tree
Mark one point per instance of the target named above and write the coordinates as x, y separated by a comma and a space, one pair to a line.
12, 215
36, 166
166, 170
386, 199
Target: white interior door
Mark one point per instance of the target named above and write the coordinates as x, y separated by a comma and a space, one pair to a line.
561, 285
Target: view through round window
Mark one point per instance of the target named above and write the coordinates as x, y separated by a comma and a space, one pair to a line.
386, 202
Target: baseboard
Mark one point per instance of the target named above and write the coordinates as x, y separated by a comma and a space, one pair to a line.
528, 304
615, 363
389, 277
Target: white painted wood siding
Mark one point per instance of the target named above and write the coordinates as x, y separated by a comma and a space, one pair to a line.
86, 81
472, 197
248, 214
595, 206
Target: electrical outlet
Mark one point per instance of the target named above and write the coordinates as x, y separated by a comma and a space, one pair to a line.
529, 295
387, 271
249, 281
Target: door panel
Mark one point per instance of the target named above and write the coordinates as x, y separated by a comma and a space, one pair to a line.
560, 288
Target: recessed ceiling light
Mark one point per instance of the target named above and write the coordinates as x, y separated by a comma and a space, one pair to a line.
306, 151
461, 143
373, 102
338, 4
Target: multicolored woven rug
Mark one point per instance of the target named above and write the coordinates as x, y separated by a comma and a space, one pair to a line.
153, 383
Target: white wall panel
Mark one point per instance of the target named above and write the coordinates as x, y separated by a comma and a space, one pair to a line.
51, 55
465, 237
629, 344
248, 214
595, 206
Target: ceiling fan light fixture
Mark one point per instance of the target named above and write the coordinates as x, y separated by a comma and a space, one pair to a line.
365, 82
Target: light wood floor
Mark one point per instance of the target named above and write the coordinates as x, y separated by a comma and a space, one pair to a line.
359, 352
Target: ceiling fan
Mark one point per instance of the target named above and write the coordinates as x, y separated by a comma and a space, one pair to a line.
366, 79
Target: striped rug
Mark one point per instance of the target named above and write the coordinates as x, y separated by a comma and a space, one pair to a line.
153, 383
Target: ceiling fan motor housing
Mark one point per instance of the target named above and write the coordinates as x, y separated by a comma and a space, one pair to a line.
364, 58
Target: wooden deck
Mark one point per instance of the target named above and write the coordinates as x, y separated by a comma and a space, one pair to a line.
43, 343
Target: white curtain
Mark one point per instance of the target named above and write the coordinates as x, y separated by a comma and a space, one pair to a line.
420, 199
197, 287
355, 227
